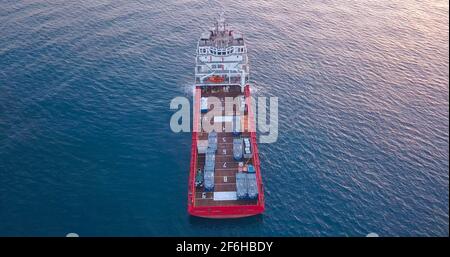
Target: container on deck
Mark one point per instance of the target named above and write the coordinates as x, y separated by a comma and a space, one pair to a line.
237, 125
210, 151
252, 185
199, 178
204, 104
241, 186
250, 169
210, 160
212, 140
209, 181
202, 145
237, 149
247, 148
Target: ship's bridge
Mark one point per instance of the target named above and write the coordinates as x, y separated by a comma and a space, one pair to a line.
221, 57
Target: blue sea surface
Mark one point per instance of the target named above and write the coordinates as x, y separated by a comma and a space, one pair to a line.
86, 145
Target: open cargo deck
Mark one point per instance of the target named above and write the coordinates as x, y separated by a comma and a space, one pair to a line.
226, 198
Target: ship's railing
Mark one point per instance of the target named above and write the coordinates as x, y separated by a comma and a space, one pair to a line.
227, 80
206, 71
194, 151
243, 60
253, 140
213, 42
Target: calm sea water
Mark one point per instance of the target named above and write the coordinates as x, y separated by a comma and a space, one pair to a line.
85, 143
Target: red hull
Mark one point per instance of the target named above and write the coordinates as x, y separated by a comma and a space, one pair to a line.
225, 212
232, 211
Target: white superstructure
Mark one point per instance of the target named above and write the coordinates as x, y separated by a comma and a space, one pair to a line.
221, 57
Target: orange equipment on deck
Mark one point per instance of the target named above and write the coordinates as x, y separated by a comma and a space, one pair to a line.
216, 79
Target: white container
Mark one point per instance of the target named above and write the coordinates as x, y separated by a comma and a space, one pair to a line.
204, 104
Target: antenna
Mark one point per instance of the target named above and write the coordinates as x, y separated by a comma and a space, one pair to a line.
220, 22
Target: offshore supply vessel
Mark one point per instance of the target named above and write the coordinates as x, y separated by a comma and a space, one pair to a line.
225, 177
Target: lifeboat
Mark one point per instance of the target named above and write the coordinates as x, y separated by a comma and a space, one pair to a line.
216, 79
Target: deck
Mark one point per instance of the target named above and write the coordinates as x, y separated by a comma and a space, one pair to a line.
225, 165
